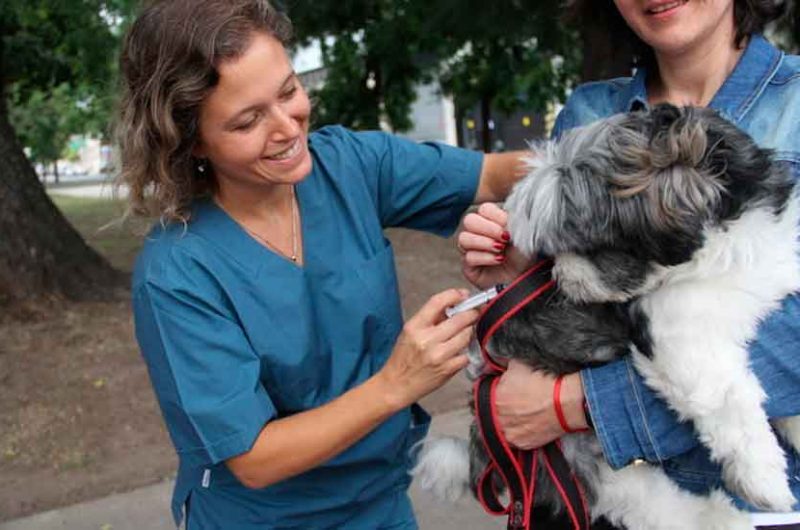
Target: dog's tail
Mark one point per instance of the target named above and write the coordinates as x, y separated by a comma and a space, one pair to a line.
443, 467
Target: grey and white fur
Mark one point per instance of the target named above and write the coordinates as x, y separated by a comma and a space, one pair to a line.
673, 236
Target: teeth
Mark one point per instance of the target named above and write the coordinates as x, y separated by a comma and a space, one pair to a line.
289, 153
666, 7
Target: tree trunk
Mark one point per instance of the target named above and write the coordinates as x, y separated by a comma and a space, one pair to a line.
42, 257
601, 58
55, 171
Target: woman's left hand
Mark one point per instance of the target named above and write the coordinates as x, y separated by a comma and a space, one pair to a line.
525, 411
487, 256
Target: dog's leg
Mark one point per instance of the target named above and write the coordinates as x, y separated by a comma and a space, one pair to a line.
476, 366
789, 429
443, 467
644, 498
700, 366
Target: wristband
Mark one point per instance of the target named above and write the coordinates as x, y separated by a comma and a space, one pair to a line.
559, 410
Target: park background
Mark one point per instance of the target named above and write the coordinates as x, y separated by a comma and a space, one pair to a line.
78, 419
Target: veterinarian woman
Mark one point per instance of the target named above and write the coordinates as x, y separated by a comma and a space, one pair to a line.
265, 301
691, 52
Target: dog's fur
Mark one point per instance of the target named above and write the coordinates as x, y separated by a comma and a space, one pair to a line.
673, 235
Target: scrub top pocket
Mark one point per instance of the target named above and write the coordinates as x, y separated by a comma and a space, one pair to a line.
379, 279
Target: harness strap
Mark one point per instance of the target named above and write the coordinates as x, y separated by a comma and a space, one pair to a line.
503, 459
517, 469
567, 484
525, 290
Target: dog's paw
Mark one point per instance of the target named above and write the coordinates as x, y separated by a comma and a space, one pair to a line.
789, 429
443, 468
723, 515
760, 481
476, 365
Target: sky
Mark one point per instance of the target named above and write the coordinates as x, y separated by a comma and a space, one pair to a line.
307, 58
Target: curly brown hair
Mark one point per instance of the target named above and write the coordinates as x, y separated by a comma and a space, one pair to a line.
168, 65
750, 16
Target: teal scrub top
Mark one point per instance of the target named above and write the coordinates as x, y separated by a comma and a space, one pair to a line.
235, 335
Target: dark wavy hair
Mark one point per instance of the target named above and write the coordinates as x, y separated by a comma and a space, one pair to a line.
168, 65
750, 16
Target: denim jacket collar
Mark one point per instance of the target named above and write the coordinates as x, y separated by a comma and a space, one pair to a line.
755, 68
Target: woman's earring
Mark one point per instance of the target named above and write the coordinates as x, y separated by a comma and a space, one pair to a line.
201, 166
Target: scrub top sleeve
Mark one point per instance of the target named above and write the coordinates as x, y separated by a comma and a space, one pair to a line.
204, 373
424, 186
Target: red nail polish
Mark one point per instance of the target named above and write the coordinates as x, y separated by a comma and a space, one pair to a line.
506, 236
499, 246
501, 258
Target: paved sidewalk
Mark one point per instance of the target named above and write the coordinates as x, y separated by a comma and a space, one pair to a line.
148, 508
102, 190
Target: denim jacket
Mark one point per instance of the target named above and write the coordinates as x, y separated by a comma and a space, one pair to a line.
762, 97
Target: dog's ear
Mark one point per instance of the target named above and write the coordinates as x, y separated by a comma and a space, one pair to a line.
663, 116
562, 203
534, 205
748, 171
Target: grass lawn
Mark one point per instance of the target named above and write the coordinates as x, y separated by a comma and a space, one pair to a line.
91, 217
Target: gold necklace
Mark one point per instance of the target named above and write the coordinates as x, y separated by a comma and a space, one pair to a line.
294, 256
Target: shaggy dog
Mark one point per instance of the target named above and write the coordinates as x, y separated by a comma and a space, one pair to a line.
673, 235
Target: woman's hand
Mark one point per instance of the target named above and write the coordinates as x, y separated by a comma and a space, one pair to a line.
429, 351
525, 411
487, 257
427, 354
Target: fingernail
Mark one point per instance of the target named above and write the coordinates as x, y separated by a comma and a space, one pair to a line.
501, 258
506, 236
499, 246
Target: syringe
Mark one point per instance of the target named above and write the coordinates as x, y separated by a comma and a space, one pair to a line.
474, 300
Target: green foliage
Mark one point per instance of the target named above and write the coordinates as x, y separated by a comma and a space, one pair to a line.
48, 42
57, 69
345, 96
515, 53
45, 120
372, 61
41, 121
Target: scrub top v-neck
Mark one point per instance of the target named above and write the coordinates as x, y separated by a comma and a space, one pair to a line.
235, 335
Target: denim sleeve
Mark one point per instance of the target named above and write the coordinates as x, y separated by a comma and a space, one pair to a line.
564, 122
632, 422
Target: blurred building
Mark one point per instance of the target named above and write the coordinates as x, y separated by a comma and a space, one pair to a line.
435, 117
508, 132
91, 156
432, 113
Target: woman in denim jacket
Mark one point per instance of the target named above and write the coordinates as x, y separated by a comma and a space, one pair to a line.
691, 52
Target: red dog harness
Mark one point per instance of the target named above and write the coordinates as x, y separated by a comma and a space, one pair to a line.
514, 467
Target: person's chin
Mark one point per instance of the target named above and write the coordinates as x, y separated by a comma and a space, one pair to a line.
292, 169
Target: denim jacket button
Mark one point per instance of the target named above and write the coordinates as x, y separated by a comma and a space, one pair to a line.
638, 462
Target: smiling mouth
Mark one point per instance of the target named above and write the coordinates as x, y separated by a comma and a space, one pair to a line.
666, 7
287, 153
